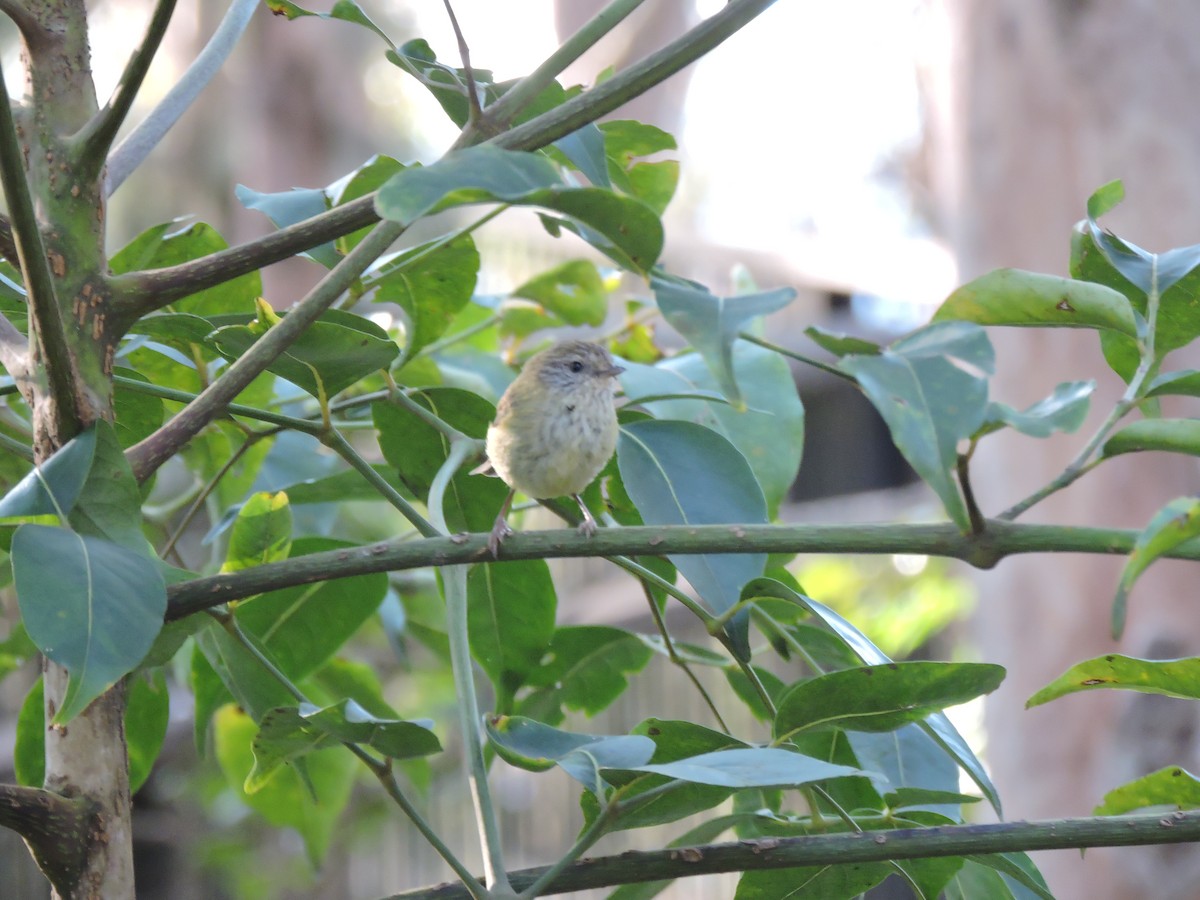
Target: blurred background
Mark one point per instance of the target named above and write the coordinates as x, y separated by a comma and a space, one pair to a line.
871, 154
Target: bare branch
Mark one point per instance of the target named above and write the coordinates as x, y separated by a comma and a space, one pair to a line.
136, 146
98, 134
29, 27
465, 53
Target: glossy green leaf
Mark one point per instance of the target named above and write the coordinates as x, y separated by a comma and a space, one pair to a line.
1168, 677
342, 10
841, 344
585, 669
624, 229
332, 354
573, 293
510, 619
303, 626
912, 762
289, 733
882, 697
261, 533
430, 283
29, 747
678, 473
1183, 383
846, 881
446, 83
976, 880
136, 415
531, 745
367, 179
1019, 875
1169, 435
1175, 523
110, 505
90, 605
750, 767
931, 389
417, 451
770, 435
53, 487
626, 142
584, 149
1064, 410
937, 726
711, 323
147, 714
312, 805
342, 487
1016, 297
230, 671
1172, 787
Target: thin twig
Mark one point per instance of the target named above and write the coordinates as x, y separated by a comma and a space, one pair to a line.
136, 146
465, 53
147, 455
97, 135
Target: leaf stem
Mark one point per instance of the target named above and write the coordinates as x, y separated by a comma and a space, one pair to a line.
334, 440
796, 355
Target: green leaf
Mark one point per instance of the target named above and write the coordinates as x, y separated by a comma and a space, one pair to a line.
430, 283
915, 766
770, 436
90, 605
343, 10
446, 83
1170, 435
332, 353
711, 324
1105, 198
1172, 787
262, 532
417, 450
624, 228
1175, 523
53, 487
147, 715
812, 882
931, 389
312, 805
1019, 875
882, 697
841, 344
1168, 677
510, 619
29, 749
1015, 297
536, 747
342, 487
1064, 410
937, 726
573, 293
746, 767
368, 178
110, 505
286, 208
303, 626
586, 668
289, 733
678, 473
136, 415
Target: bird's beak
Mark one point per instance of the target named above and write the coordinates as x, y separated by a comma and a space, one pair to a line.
612, 371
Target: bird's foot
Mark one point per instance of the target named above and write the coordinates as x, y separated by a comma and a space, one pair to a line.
500, 531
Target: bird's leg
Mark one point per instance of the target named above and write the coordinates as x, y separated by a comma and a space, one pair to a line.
500, 530
588, 526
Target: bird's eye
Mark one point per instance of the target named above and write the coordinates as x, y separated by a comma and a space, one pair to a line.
576, 366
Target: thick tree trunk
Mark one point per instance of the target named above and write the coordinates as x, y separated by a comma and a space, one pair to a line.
1038, 105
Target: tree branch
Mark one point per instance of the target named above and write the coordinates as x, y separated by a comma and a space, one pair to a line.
28, 25
141, 292
45, 317
95, 138
636, 867
147, 455
136, 146
998, 540
56, 828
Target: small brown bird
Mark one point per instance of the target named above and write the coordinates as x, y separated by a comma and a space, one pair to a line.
555, 428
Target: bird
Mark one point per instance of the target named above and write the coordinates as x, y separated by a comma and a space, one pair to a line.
555, 429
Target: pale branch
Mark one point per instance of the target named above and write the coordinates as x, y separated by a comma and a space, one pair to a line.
96, 137
500, 114
138, 144
639, 867
31, 30
8, 246
997, 541
45, 317
138, 293
147, 455
57, 829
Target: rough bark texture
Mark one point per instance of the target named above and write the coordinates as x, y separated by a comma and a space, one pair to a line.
1035, 107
